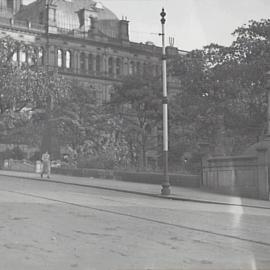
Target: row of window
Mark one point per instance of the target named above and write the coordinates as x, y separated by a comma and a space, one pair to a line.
94, 63
87, 62
29, 57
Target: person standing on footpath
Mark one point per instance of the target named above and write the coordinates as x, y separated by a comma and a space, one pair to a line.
46, 162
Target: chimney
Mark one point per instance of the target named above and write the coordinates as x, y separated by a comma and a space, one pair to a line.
124, 29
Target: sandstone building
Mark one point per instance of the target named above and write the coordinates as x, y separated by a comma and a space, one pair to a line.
82, 38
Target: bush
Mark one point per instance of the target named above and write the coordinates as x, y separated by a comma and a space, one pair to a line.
36, 156
98, 162
15, 153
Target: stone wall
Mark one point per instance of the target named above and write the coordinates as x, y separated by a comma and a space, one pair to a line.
238, 175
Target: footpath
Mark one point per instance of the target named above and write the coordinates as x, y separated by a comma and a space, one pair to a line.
177, 193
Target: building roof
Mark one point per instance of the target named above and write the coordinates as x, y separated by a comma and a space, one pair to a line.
67, 12
71, 7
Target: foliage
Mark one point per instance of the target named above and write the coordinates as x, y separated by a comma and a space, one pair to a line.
27, 92
137, 105
223, 91
14, 153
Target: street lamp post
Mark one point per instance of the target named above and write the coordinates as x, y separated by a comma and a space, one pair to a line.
268, 103
47, 30
47, 137
165, 184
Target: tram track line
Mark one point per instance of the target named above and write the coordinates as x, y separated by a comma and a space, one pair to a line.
228, 236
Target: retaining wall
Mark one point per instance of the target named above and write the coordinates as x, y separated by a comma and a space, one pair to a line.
238, 175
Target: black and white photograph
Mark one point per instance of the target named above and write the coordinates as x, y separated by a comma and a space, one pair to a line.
134, 134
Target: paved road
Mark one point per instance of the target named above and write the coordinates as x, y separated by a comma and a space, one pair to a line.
54, 226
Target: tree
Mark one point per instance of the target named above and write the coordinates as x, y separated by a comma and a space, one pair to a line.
223, 95
27, 91
137, 103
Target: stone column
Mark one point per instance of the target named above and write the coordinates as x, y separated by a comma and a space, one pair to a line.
263, 186
74, 61
94, 64
102, 65
126, 66
114, 66
86, 63
64, 58
105, 65
53, 57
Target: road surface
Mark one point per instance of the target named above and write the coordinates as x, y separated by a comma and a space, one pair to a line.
53, 226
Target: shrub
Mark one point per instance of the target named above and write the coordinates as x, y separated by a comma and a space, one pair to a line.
36, 156
15, 153
97, 162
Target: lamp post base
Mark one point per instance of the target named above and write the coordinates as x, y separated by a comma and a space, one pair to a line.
165, 190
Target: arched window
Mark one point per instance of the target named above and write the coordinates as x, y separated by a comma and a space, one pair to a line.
15, 56
110, 66
68, 59
138, 68
131, 68
98, 64
144, 68
41, 17
22, 56
90, 63
82, 61
40, 56
118, 66
60, 58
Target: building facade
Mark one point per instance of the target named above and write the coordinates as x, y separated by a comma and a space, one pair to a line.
82, 39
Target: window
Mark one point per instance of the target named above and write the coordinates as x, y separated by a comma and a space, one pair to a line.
68, 59
110, 66
40, 56
98, 64
138, 68
10, 4
40, 19
131, 68
88, 22
144, 68
59, 58
118, 66
22, 56
82, 61
90, 63
15, 56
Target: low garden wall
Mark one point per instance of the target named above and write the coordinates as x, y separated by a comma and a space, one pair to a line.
96, 173
140, 177
183, 180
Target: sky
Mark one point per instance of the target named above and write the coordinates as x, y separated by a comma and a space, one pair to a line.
192, 23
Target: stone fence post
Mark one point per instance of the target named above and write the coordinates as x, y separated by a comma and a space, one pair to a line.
263, 189
204, 153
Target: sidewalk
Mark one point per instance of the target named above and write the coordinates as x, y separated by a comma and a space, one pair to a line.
177, 193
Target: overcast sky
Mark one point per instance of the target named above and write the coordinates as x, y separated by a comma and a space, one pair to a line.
192, 23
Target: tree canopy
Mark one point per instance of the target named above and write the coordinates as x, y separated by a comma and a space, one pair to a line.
223, 91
